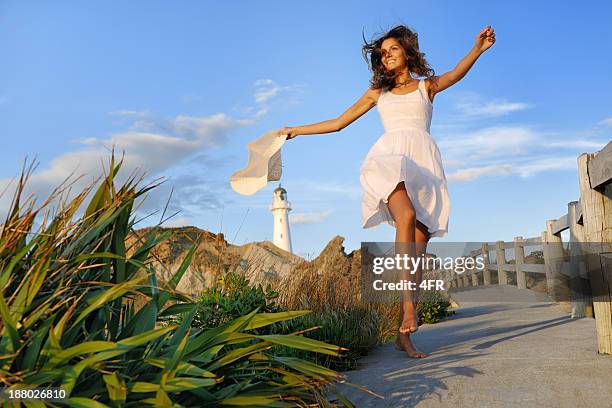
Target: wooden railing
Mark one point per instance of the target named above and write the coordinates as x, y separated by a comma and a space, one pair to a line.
585, 281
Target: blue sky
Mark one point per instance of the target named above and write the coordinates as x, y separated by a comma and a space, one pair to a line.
183, 87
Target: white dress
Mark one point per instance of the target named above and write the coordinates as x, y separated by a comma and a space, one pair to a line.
405, 152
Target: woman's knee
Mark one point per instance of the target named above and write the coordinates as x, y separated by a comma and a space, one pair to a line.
407, 219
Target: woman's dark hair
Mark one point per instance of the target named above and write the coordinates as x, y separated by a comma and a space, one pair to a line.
415, 60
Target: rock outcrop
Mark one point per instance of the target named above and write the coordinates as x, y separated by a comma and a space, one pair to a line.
261, 262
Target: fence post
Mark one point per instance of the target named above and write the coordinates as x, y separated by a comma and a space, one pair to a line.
580, 288
500, 255
554, 257
466, 282
474, 272
597, 221
486, 274
519, 260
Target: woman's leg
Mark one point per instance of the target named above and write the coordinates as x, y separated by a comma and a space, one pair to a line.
403, 340
411, 238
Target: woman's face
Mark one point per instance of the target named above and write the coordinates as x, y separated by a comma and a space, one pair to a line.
392, 55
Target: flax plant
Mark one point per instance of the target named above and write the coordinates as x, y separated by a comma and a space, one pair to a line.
68, 317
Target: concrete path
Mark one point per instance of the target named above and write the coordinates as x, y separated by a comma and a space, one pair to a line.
520, 350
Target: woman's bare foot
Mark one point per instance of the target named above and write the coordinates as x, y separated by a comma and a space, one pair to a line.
403, 343
410, 323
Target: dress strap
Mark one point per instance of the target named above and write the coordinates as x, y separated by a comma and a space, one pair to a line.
423, 89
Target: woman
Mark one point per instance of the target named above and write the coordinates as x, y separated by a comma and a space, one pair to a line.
402, 175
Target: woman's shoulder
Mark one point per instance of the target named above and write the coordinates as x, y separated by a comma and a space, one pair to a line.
374, 93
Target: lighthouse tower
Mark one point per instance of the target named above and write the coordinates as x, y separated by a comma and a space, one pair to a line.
280, 208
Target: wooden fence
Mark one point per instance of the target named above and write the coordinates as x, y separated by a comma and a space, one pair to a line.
580, 273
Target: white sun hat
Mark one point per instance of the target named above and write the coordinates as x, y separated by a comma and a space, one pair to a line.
264, 164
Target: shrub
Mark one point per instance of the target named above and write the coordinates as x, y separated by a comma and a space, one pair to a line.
68, 318
233, 298
433, 307
356, 329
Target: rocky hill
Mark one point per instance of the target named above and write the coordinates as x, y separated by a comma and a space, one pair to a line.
259, 261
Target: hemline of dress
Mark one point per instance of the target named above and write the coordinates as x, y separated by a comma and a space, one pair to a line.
437, 233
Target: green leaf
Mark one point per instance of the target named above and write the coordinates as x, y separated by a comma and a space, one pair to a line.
117, 391
6, 272
237, 354
176, 309
171, 363
139, 257
96, 255
178, 384
9, 325
145, 337
141, 386
36, 281
33, 349
123, 347
308, 368
255, 401
218, 335
266, 319
302, 343
162, 399
81, 402
184, 327
174, 281
102, 195
89, 347
112, 293
183, 368
34, 316
142, 321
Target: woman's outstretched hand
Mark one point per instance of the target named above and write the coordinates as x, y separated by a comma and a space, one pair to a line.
485, 39
289, 131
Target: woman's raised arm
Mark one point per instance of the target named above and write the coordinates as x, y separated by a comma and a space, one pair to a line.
484, 40
363, 104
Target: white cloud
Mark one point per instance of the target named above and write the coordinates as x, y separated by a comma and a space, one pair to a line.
309, 218
574, 144
178, 222
488, 142
473, 173
547, 164
266, 91
525, 169
606, 122
164, 145
509, 143
510, 150
125, 112
473, 105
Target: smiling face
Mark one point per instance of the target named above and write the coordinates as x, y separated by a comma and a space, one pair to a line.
392, 55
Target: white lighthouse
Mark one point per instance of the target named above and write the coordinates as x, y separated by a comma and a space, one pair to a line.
280, 208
